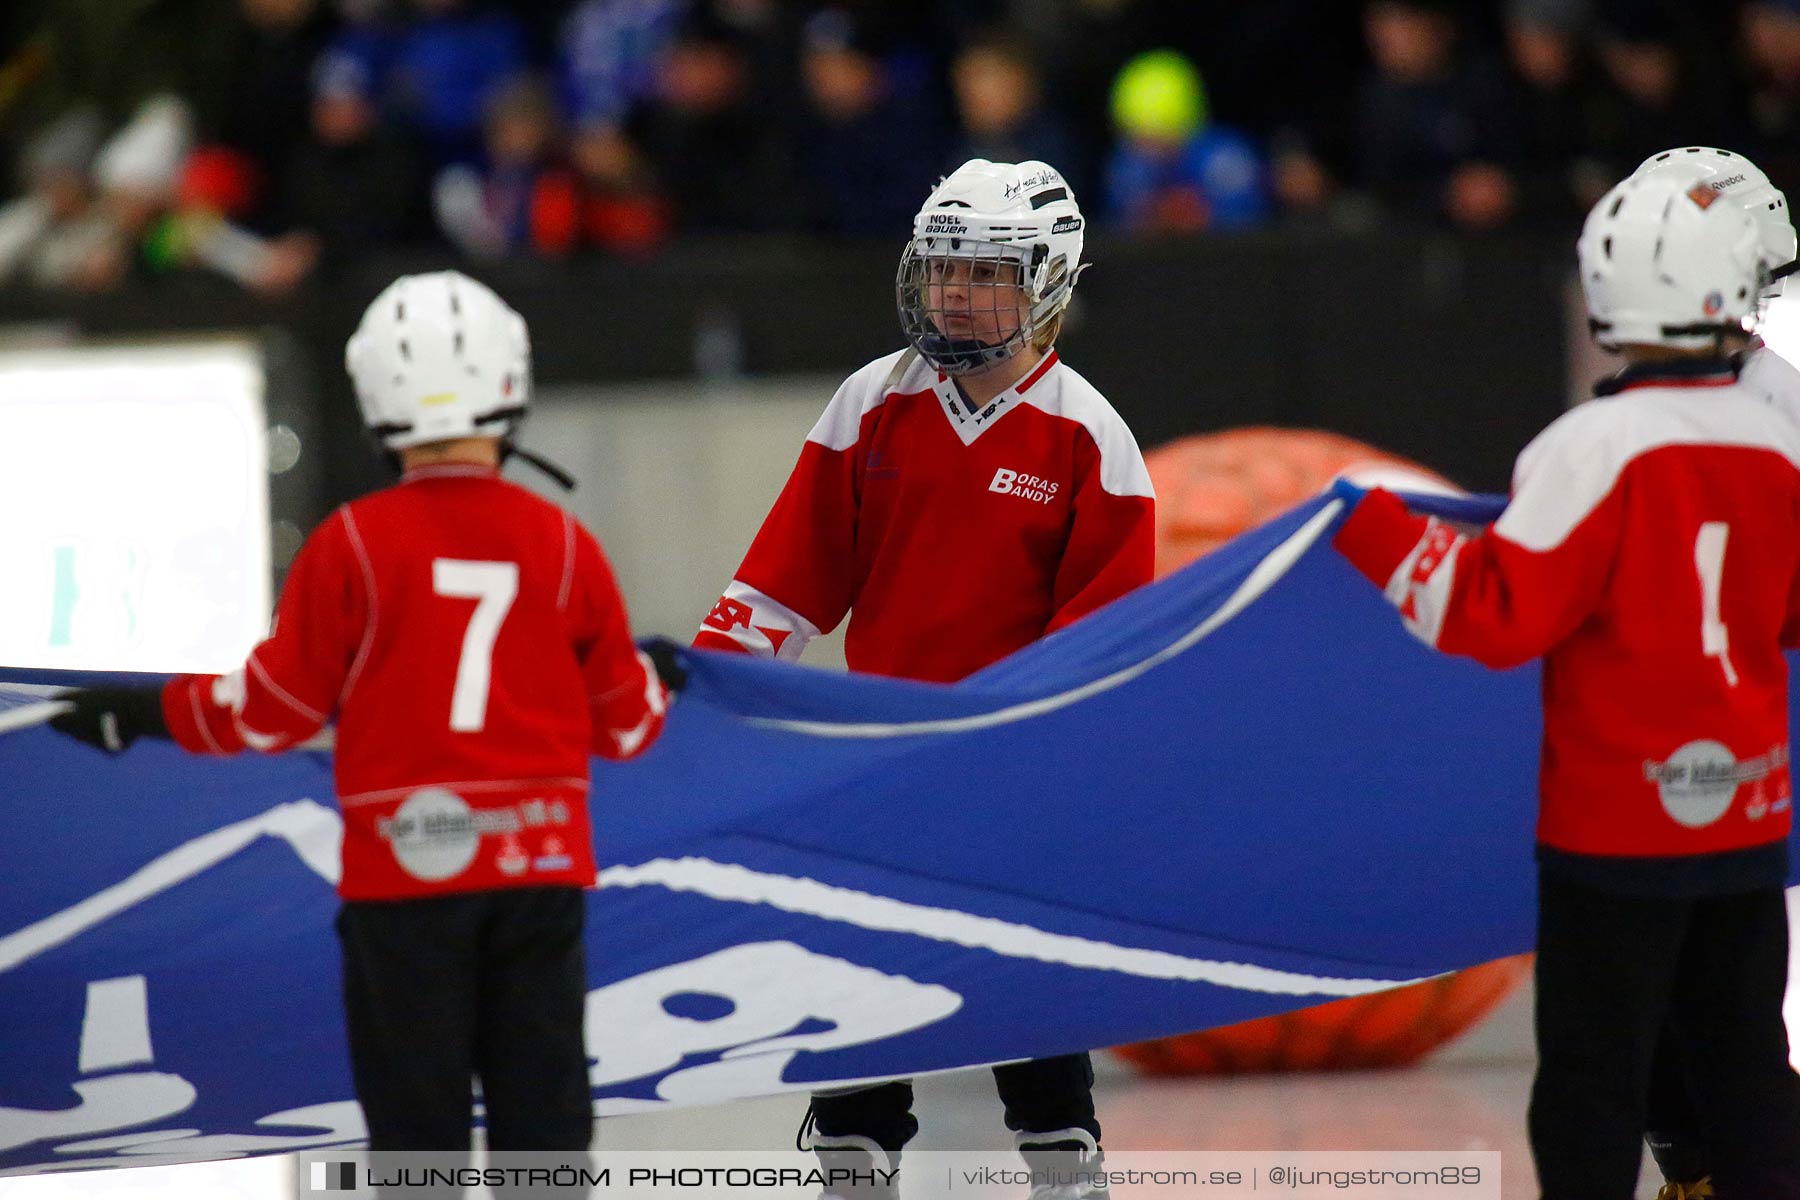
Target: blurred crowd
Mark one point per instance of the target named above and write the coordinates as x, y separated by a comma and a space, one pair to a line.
269, 139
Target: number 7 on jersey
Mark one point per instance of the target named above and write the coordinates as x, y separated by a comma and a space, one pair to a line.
493, 586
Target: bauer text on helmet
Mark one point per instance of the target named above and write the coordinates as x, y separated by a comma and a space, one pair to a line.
1666, 261
1742, 182
992, 262
437, 357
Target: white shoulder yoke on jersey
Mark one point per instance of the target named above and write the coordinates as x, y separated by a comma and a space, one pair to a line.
841, 423
1772, 379
1589, 447
1053, 388
1069, 395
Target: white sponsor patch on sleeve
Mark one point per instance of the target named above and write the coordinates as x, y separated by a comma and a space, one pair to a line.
759, 624
1420, 586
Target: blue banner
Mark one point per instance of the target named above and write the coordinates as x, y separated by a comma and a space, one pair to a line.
1241, 790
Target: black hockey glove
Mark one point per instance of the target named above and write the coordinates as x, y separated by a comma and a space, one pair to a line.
665, 656
111, 718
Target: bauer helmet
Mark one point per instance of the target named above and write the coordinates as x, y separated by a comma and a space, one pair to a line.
1667, 261
992, 261
439, 356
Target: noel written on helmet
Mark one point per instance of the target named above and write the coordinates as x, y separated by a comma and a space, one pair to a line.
992, 262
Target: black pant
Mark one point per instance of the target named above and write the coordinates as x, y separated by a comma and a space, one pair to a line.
489, 984
1616, 976
1671, 1125
1043, 1095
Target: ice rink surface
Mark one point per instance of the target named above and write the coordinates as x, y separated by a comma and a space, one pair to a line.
1470, 1096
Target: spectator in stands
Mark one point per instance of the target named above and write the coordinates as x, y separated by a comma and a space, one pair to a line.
105, 115
1000, 110
868, 148
217, 202
1665, 82
1558, 180
1254, 58
434, 69
231, 185
1081, 46
1436, 121
1248, 54
522, 199
768, 33
1175, 170
622, 209
1771, 38
58, 196
355, 181
611, 50
717, 152
116, 57
134, 178
270, 88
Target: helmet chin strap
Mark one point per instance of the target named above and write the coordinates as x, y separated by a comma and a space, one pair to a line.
508, 449
556, 474
959, 356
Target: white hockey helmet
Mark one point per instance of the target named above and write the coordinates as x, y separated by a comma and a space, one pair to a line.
439, 356
1744, 184
1016, 223
1667, 261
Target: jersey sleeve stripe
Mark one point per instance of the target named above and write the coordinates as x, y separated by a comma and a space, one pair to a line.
568, 574
255, 739
282, 694
205, 730
368, 574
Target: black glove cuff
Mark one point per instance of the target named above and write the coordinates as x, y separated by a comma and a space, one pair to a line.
666, 656
142, 709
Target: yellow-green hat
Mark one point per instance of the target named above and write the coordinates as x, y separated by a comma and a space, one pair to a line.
1159, 95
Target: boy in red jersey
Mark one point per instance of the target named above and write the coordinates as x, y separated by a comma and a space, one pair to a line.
959, 500
1679, 1149
470, 644
1651, 556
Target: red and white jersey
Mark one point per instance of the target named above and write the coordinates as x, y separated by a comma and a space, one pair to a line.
952, 537
470, 643
1772, 378
1651, 556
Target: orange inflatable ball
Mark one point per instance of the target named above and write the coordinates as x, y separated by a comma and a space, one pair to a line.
1212, 487
1209, 489
1386, 1029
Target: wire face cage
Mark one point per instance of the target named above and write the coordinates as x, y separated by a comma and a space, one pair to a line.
964, 304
